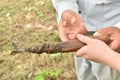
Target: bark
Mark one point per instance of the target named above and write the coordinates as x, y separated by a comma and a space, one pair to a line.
50, 48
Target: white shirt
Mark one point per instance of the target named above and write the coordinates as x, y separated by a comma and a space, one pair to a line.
99, 1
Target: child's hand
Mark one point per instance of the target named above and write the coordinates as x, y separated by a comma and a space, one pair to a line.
94, 49
113, 33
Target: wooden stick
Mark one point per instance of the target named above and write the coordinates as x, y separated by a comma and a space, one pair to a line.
68, 46
50, 48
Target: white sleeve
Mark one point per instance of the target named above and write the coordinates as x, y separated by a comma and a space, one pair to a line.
61, 5
117, 25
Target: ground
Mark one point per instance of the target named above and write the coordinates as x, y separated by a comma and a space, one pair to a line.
29, 22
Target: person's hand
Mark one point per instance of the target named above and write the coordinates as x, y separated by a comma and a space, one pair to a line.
95, 50
111, 33
70, 25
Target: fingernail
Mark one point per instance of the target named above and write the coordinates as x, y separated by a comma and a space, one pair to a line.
96, 34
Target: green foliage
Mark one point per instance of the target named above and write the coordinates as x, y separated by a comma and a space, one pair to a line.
39, 77
47, 74
30, 75
25, 11
1, 28
56, 33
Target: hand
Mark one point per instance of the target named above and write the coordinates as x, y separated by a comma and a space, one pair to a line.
94, 50
70, 25
111, 33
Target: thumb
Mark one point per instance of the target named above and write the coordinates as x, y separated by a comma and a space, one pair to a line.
96, 34
84, 39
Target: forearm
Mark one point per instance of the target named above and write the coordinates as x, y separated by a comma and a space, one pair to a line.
61, 5
114, 61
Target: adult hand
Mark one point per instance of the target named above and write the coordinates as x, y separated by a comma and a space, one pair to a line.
94, 50
70, 25
111, 33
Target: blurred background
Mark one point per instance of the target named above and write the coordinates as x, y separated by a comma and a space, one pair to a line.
29, 22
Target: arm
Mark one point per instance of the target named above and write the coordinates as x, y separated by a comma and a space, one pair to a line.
98, 51
114, 60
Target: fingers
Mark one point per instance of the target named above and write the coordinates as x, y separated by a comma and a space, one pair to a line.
69, 16
114, 45
80, 52
84, 39
103, 31
73, 20
63, 34
64, 23
66, 32
70, 25
68, 19
96, 34
63, 37
71, 36
72, 33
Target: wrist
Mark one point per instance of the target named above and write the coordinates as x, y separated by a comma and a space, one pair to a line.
108, 57
113, 60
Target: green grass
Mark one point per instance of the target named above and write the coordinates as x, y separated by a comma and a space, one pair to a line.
15, 16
